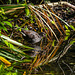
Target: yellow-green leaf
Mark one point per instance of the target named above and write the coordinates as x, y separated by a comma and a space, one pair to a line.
27, 11
8, 23
72, 27
5, 60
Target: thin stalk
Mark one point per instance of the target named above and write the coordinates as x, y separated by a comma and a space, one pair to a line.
44, 27
54, 51
53, 20
56, 16
45, 22
64, 52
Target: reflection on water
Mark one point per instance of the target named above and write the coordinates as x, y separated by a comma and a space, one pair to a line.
52, 68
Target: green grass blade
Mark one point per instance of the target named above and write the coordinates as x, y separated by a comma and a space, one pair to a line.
9, 57
10, 6
8, 53
14, 42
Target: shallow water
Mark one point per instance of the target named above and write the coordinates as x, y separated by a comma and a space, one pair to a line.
67, 63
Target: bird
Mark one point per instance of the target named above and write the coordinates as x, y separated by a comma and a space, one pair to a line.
34, 36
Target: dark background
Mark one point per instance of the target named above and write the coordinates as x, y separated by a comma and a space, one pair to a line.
29, 1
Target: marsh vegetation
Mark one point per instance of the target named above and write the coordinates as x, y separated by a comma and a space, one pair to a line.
37, 37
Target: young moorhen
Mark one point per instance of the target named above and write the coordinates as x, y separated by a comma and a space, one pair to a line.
34, 36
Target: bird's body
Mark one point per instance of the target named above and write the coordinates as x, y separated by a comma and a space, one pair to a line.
32, 35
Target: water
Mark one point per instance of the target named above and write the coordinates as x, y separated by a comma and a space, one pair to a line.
67, 63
